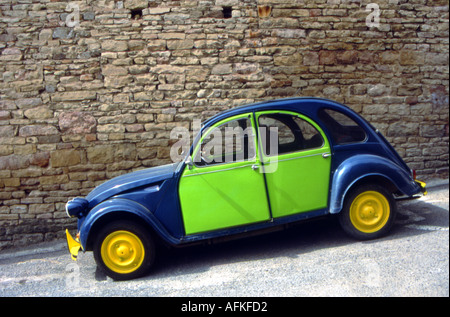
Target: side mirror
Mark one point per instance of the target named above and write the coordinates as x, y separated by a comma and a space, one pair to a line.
189, 162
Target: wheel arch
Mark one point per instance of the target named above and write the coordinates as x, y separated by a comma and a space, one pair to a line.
120, 209
377, 179
367, 169
113, 216
381, 180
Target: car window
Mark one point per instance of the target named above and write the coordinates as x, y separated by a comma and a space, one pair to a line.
294, 134
343, 129
232, 141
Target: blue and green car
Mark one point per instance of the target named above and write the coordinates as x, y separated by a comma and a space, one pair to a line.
249, 169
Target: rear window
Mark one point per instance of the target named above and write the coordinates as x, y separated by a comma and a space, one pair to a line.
343, 129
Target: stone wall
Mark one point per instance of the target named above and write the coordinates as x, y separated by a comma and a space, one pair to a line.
91, 89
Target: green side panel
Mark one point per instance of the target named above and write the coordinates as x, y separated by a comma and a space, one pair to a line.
299, 181
220, 197
299, 184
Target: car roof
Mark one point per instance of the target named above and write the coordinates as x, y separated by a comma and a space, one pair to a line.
304, 105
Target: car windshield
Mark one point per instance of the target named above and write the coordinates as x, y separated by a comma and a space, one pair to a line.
231, 141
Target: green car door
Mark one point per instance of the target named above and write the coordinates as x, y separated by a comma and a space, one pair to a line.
297, 163
223, 185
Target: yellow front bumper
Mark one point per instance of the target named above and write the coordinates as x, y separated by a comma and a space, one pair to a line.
423, 186
73, 244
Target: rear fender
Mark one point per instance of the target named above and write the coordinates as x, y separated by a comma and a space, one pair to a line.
126, 208
357, 168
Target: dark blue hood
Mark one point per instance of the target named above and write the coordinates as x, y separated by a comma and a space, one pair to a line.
129, 181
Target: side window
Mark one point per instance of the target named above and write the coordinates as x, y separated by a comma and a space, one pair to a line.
232, 141
294, 134
343, 129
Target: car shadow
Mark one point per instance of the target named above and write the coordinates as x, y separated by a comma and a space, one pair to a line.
300, 239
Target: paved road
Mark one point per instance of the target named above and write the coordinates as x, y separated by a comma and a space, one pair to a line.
312, 259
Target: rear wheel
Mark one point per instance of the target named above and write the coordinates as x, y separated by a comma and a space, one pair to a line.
369, 212
124, 250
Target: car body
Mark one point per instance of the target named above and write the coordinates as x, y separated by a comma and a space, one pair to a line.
323, 158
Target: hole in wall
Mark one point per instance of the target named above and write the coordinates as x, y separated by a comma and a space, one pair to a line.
136, 14
227, 12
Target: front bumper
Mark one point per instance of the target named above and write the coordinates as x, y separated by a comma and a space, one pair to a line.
423, 187
73, 245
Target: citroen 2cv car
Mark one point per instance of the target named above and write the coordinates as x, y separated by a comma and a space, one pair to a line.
249, 169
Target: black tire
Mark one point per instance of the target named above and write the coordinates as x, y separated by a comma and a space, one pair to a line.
369, 212
124, 250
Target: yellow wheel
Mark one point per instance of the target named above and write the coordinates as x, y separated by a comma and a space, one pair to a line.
124, 250
369, 212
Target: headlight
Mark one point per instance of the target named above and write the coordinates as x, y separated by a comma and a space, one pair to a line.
77, 207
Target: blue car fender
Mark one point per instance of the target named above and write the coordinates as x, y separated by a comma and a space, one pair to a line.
124, 206
355, 169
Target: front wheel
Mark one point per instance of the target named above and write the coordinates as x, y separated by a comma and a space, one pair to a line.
369, 212
124, 250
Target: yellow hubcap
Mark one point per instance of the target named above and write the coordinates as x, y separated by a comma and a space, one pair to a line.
369, 212
122, 252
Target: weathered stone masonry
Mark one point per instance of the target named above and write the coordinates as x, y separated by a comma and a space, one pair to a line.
91, 89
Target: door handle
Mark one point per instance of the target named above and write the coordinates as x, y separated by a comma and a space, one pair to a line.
326, 155
255, 167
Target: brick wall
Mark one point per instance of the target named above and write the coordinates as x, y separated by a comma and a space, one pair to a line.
91, 89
